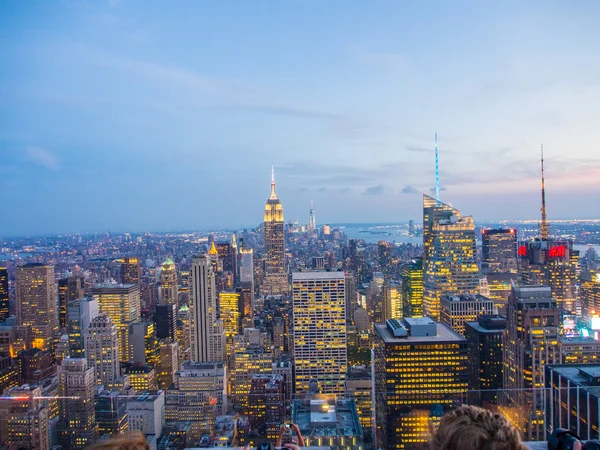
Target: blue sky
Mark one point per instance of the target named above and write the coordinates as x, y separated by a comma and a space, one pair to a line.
145, 115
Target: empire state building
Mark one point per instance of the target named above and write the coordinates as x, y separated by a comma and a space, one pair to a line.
276, 278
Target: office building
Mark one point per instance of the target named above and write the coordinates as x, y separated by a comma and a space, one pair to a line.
573, 399
207, 334
329, 422
285, 368
165, 321
199, 396
392, 301
183, 332
247, 280
422, 372
359, 386
130, 270
37, 317
169, 285
589, 293
384, 259
412, 288
169, 363
228, 255
102, 351
77, 418
485, 343
24, 419
69, 289
320, 351
111, 412
266, 408
121, 303
4, 305
579, 350
144, 348
499, 286
275, 280
457, 310
253, 360
142, 377
229, 303
450, 260
552, 263
35, 365
530, 342
146, 413
80, 314
499, 250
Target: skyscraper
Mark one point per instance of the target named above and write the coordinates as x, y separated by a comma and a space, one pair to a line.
169, 286
392, 301
499, 250
207, 334
102, 350
589, 293
412, 288
131, 271
121, 303
320, 330
25, 418
552, 263
80, 313
77, 422
70, 288
165, 320
4, 311
421, 372
232, 318
530, 342
36, 305
312, 225
384, 258
247, 289
457, 310
450, 262
276, 279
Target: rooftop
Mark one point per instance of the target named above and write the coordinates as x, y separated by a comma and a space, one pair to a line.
464, 298
333, 418
444, 334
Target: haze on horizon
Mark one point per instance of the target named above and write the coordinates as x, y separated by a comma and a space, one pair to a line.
138, 116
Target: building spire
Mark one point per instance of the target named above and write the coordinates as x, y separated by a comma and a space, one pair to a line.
544, 232
273, 194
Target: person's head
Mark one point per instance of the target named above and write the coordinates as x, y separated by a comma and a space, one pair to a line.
472, 428
132, 441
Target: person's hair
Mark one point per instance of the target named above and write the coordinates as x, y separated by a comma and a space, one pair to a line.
472, 428
129, 441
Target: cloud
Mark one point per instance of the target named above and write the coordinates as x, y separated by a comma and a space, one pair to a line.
374, 190
42, 157
432, 190
408, 189
412, 148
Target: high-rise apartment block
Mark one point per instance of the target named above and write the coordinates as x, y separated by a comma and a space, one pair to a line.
320, 330
121, 303
530, 342
77, 423
499, 250
457, 310
485, 343
552, 263
24, 418
102, 351
276, 278
421, 372
207, 334
412, 288
169, 285
450, 261
37, 317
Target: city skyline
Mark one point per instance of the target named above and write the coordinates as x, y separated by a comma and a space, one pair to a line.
106, 98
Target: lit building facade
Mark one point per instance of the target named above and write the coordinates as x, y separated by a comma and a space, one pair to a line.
552, 263
69, 289
530, 343
450, 258
121, 303
111, 413
320, 348
412, 288
579, 350
77, 418
24, 418
169, 285
4, 310
421, 372
131, 270
276, 279
499, 250
102, 350
37, 317
207, 334
392, 301
247, 279
499, 286
244, 365
457, 310
229, 303
80, 313
589, 293
169, 363
359, 386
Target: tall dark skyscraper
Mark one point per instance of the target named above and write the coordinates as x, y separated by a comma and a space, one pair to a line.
450, 262
384, 258
499, 250
276, 278
69, 289
165, 319
131, 271
3, 294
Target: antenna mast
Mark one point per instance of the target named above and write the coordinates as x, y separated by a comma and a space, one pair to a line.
437, 172
544, 224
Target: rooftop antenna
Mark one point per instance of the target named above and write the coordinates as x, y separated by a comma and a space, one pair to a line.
544, 232
273, 195
437, 172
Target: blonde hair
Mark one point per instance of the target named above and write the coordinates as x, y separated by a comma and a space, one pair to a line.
472, 428
130, 441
